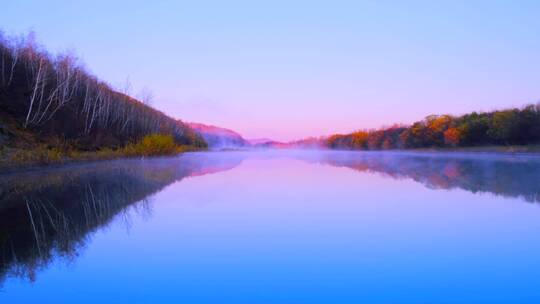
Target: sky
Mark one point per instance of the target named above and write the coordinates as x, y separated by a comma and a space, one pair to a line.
292, 69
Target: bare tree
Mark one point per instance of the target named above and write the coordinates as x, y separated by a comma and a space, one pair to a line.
39, 83
62, 87
146, 96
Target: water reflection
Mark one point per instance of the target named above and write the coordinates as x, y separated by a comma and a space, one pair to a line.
50, 214
502, 175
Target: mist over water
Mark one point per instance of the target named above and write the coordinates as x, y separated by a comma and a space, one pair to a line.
275, 227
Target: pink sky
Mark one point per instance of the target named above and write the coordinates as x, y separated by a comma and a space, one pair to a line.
287, 71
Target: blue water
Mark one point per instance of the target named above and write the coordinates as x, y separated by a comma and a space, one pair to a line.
274, 227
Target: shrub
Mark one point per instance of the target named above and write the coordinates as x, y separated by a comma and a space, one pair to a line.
155, 144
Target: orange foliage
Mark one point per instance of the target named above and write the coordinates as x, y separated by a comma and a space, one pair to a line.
439, 123
359, 139
452, 136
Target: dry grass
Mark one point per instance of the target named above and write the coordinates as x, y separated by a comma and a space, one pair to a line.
150, 145
37, 155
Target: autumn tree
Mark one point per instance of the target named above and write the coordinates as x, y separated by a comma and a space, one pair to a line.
452, 137
513, 126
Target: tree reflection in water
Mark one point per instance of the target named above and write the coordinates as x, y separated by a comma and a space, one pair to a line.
502, 175
52, 213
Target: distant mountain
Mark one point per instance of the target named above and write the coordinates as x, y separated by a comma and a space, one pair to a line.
308, 143
272, 145
260, 141
219, 138
267, 143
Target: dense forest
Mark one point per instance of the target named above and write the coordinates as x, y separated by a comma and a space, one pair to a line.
54, 101
496, 128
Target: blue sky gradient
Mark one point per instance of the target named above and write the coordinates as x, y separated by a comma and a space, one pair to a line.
291, 69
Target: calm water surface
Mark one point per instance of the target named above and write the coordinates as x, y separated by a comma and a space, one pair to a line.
274, 227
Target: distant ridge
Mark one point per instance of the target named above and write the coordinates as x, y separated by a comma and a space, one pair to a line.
260, 141
218, 137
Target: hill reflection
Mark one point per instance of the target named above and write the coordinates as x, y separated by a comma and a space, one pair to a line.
507, 176
52, 213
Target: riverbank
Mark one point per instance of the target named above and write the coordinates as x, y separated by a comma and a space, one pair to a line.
515, 149
15, 158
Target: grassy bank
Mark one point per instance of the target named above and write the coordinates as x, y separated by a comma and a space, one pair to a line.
42, 155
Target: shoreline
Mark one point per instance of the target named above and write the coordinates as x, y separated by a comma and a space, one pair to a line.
79, 157
511, 150
8, 165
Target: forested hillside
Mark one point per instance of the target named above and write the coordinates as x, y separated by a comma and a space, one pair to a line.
53, 101
496, 128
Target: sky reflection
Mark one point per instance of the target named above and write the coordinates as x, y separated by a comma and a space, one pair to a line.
242, 227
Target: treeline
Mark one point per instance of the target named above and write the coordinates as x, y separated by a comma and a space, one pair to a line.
498, 128
55, 97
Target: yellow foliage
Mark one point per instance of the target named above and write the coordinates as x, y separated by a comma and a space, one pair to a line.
155, 144
150, 145
439, 123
